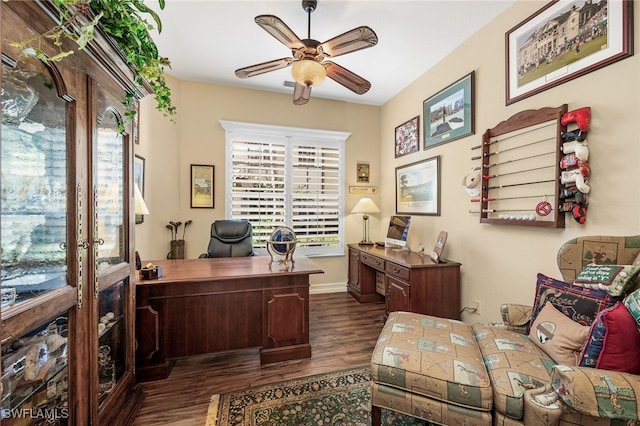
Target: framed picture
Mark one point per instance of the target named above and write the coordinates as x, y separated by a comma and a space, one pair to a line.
138, 179
202, 186
564, 40
363, 172
418, 187
408, 137
448, 115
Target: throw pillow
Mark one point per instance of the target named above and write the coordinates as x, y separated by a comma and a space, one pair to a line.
632, 303
613, 342
617, 280
558, 336
580, 304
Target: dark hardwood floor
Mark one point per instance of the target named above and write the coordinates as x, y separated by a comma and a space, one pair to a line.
342, 331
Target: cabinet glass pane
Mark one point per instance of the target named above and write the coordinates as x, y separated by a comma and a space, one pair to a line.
34, 184
35, 377
112, 338
110, 195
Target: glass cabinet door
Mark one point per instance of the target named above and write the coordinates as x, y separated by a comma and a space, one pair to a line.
111, 248
36, 254
34, 184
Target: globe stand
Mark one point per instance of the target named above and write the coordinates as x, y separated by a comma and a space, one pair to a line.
282, 242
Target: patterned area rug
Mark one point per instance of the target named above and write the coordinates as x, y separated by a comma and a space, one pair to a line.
337, 398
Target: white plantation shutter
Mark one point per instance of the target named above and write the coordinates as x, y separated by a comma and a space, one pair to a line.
282, 176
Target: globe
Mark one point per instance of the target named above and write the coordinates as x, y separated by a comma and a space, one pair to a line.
283, 234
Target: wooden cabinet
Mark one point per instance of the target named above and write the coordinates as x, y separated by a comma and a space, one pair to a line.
413, 282
67, 230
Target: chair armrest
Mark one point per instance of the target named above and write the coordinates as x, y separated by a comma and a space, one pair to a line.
515, 314
597, 392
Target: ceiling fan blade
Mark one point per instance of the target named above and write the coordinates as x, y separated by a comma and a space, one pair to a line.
301, 94
274, 26
351, 41
256, 69
348, 79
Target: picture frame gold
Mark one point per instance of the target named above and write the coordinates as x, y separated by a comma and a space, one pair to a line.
202, 186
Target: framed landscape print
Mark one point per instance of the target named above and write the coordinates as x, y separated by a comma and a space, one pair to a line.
418, 187
202, 186
407, 137
564, 40
448, 115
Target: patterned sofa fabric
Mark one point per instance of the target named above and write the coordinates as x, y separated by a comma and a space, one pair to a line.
602, 393
514, 363
434, 357
575, 254
427, 408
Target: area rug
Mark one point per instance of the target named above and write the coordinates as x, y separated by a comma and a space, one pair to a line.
336, 398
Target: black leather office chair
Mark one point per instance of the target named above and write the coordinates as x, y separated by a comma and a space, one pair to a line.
230, 238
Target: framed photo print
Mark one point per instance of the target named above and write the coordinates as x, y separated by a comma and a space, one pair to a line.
418, 188
564, 40
202, 186
138, 179
408, 137
448, 115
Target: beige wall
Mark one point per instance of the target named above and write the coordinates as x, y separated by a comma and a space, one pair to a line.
198, 138
499, 263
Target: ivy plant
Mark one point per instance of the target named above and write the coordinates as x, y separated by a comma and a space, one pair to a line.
125, 22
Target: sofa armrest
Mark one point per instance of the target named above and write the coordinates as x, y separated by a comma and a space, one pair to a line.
516, 316
597, 392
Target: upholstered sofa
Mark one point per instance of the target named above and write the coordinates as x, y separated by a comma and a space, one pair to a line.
526, 370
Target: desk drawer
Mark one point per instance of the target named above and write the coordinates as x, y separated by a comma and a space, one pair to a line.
373, 261
398, 271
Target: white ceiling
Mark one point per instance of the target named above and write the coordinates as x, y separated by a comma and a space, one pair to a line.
207, 40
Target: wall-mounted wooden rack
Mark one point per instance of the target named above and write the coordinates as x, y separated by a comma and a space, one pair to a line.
521, 168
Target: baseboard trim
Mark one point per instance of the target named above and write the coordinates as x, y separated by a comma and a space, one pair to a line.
327, 288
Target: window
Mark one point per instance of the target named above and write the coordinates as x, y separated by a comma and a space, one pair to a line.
283, 176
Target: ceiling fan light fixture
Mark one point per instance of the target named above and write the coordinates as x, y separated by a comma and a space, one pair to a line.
308, 72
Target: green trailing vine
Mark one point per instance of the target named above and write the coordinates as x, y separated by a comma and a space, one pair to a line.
124, 21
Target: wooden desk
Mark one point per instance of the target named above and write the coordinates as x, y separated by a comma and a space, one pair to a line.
406, 281
201, 306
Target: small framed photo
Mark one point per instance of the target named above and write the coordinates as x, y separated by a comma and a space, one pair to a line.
565, 40
448, 115
363, 172
408, 137
202, 186
418, 188
138, 179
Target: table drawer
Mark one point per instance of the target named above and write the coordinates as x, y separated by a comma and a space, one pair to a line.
398, 271
373, 261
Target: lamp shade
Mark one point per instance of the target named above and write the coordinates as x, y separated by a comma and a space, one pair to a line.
140, 205
308, 72
365, 205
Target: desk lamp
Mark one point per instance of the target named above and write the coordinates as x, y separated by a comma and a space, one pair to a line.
365, 206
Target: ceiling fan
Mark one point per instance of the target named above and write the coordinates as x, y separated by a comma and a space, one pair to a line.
309, 67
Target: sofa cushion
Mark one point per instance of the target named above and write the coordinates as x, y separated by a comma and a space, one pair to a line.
608, 394
617, 280
434, 357
580, 304
514, 364
632, 303
614, 342
423, 407
558, 336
